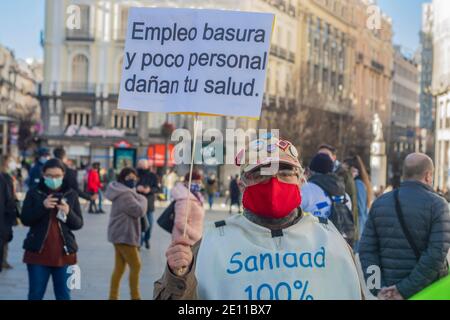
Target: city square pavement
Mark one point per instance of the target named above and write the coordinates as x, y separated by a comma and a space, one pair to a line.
96, 259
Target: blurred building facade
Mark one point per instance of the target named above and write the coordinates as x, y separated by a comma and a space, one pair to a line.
326, 50
83, 67
441, 90
374, 64
19, 82
324, 58
404, 113
425, 62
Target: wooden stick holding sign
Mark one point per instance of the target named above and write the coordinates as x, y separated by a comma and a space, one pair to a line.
182, 271
197, 62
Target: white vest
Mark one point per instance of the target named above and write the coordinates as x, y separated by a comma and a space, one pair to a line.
244, 261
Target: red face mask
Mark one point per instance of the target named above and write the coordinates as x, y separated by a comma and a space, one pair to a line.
274, 199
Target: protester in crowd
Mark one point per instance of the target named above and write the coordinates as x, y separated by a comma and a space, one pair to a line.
211, 189
71, 175
35, 174
103, 183
407, 234
235, 193
324, 196
8, 207
363, 189
251, 256
147, 186
52, 211
124, 230
168, 181
94, 186
349, 182
5, 228
181, 195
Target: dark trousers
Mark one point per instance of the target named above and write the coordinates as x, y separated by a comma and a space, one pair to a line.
211, 200
2, 246
148, 233
38, 277
92, 205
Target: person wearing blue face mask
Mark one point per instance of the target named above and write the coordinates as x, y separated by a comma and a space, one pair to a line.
52, 211
43, 155
124, 230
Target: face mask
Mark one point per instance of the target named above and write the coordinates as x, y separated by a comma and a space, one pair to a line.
195, 187
274, 199
130, 183
43, 160
12, 167
53, 184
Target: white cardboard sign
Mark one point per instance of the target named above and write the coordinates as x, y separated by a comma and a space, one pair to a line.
194, 60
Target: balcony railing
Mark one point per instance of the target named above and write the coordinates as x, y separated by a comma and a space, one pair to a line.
377, 66
282, 53
78, 87
284, 6
79, 35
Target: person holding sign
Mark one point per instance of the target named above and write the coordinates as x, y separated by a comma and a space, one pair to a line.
274, 251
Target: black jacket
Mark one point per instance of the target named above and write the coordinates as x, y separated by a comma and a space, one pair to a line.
37, 217
149, 179
384, 244
71, 181
35, 174
8, 207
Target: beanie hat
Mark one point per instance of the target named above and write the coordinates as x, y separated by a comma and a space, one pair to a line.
321, 163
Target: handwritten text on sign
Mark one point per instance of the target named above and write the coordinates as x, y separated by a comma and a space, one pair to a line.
188, 60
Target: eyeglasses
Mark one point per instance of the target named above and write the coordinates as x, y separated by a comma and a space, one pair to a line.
286, 173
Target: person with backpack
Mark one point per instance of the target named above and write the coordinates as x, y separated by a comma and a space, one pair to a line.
407, 234
346, 176
324, 196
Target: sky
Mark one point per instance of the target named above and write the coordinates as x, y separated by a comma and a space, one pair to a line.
406, 19
21, 22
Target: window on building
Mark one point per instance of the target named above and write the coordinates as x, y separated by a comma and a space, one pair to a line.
80, 70
77, 117
123, 22
124, 120
280, 37
289, 41
85, 16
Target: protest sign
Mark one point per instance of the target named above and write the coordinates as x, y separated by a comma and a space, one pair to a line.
192, 60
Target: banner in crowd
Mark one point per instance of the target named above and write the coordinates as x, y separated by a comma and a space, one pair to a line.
195, 60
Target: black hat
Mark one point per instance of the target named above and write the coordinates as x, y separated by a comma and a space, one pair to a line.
321, 163
43, 152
